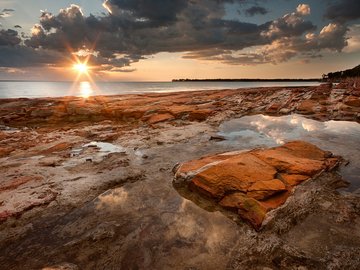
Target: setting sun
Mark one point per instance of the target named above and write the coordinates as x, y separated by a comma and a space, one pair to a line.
81, 67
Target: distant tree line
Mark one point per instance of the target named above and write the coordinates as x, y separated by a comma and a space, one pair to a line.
349, 73
246, 80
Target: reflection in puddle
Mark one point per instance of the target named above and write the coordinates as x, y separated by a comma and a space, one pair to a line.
6, 128
112, 199
93, 151
340, 137
105, 148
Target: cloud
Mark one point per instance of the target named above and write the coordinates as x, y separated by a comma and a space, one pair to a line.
343, 11
160, 12
331, 38
9, 37
6, 12
21, 56
303, 9
229, 57
255, 10
134, 30
292, 24
353, 39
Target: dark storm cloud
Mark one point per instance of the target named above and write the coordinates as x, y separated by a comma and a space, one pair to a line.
9, 38
160, 12
69, 27
343, 10
135, 29
292, 24
286, 40
255, 10
21, 56
197, 27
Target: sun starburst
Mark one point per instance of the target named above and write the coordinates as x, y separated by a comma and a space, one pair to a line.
81, 68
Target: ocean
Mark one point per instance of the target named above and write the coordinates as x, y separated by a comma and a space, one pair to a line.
31, 89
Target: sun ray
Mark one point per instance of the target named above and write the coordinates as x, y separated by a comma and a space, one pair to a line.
83, 85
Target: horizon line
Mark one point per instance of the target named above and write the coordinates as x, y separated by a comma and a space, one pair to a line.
173, 80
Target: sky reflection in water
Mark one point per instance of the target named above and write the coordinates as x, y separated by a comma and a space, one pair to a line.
340, 137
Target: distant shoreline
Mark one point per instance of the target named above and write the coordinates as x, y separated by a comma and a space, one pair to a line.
185, 80
247, 80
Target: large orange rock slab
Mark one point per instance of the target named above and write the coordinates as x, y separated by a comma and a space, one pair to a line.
237, 173
254, 182
284, 161
249, 208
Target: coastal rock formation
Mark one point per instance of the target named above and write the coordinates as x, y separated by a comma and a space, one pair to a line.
16, 202
69, 196
254, 182
324, 102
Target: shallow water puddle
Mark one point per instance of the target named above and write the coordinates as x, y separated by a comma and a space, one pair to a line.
6, 128
105, 148
340, 137
93, 152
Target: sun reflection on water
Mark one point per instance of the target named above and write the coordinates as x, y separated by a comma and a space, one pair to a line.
85, 89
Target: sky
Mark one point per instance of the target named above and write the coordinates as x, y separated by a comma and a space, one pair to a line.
160, 40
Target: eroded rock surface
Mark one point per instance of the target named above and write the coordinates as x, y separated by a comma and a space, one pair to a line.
54, 170
324, 102
253, 183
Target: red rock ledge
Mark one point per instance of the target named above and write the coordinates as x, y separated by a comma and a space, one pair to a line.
253, 183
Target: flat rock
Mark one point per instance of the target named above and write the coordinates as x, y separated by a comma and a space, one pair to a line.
57, 148
307, 107
254, 182
157, 118
15, 182
353, 101
200, 115
238, 173
194, 106
5, 151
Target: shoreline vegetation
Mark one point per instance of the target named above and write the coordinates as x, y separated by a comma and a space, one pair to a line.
343, 75
338, 76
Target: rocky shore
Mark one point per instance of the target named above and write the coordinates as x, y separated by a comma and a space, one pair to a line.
255, 182
88, 184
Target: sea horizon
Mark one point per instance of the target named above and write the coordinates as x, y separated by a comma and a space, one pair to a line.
86, 88
174, 80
